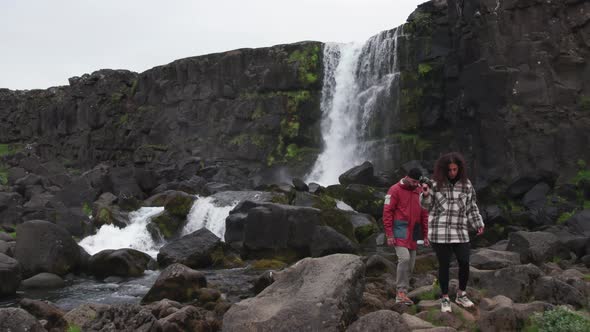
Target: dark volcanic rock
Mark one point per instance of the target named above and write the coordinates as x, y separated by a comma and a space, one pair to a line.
45, 247
10, 273
194, 250
120, 262
18, 320
177, 282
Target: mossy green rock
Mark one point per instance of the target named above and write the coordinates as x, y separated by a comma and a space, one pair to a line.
168, 225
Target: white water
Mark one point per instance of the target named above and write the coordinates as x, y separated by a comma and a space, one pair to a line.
357, 82
134, 236
206, 213
339, 105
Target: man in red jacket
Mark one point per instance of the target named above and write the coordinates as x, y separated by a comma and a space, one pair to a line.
404, 221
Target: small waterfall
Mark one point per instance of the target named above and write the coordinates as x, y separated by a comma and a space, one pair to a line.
357, 90
134, 236
206, 213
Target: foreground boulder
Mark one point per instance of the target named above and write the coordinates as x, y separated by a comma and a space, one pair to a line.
177, 282
18, 320
46, 311
381, 320
123, 317
315, 294
45, 247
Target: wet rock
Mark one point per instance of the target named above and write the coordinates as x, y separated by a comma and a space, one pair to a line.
44, 280
178, 283
120, 262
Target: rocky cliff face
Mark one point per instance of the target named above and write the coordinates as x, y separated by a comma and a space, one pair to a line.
251, 107
506, 82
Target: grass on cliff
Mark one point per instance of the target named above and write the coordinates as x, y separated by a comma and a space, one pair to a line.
9, 149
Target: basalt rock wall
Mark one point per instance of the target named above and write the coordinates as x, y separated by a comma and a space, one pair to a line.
505, 82
250, 107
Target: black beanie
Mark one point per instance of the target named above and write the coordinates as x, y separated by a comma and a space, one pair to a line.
415, 173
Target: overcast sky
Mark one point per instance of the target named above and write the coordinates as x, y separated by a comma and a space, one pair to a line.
44, 42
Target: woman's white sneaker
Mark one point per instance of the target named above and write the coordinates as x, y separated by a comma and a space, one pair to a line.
445, 304
463, 300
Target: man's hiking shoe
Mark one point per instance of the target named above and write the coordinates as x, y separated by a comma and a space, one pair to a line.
445, 304
401, 297
463, 300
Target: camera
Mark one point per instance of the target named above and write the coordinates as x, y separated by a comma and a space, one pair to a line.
425, 179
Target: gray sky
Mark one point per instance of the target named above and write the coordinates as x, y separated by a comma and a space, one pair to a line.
44, 42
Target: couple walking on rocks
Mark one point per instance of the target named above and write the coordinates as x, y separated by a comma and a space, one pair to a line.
440, 211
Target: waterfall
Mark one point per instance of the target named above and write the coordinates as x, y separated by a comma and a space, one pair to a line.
134, 236
357, 89
206, 213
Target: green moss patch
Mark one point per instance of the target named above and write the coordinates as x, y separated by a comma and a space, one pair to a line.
268, 264
308, 63
10, 149
339, 221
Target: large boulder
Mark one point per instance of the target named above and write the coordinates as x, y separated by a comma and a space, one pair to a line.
46, 311
45, 247
18, 320
10, 274
106, 212
536, 247
487, 259
559, 292
178, 283
362, 174
44, 280
195, 250
177, 205
121, 262
502, 314
515, 282
313, 294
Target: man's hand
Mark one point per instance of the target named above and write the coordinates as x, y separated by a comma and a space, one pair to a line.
480, 231
426, 242
425, 190
390, 241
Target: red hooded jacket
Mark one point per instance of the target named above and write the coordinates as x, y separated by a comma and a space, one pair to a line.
402, 212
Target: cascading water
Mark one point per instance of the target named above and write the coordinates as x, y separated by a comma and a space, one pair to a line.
205, 213
357, 89
135, 235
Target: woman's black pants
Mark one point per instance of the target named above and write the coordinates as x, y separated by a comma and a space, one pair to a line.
444, 251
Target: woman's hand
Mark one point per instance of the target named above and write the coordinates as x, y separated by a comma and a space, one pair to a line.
426, 242
425, 189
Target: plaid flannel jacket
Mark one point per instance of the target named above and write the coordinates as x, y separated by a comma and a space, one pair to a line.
452, 210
